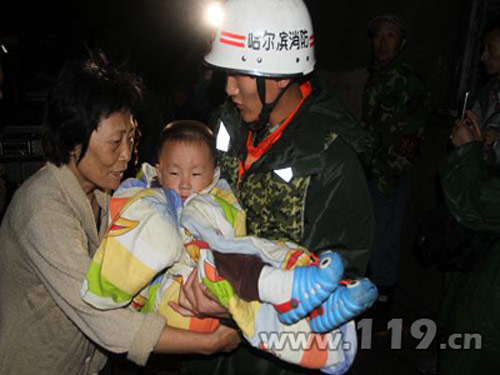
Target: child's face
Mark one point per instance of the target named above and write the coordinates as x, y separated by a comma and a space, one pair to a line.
185, 167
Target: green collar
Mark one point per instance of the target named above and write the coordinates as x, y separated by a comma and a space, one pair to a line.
395, 63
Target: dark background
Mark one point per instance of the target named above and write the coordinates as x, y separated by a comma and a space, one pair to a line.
165, 40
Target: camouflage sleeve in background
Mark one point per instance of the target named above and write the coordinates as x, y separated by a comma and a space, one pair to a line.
395, 110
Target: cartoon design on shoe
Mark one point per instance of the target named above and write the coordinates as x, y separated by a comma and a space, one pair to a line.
312, 284
343, 304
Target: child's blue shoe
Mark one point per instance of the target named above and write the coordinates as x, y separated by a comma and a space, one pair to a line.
343, 304
312, 284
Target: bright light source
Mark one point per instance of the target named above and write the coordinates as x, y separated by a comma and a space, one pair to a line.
214, 14
4, 49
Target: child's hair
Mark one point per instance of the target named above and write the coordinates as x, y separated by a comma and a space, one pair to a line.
188, 131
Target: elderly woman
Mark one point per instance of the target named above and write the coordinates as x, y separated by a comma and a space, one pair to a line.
53, 227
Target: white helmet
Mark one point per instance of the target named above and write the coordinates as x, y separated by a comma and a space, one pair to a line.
268, 38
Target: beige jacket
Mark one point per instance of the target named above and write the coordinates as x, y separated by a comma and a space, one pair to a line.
47, 239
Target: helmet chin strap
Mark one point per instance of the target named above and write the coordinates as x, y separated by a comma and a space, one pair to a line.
267, 108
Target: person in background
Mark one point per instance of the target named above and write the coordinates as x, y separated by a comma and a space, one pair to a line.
487, 106
469, 311
53, 226
394, 110
471, 186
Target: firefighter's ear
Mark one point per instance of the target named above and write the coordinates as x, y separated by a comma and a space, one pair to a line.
283, 83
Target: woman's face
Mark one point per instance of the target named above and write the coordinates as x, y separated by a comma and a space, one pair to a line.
107, 156
491, 53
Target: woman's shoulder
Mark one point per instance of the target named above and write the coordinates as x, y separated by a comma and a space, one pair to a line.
36, 184
39, 194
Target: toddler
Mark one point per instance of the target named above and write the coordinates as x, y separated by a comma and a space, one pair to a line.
181, 215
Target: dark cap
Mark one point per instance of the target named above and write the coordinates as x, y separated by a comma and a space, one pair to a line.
375, 21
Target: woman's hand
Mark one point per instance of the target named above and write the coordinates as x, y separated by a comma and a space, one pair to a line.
195, 300
467, 131
225, 339
181, 341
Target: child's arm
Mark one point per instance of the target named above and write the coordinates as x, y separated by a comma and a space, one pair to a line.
194, 300
141, 241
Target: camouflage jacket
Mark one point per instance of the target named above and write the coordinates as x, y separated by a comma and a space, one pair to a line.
326, 204
395, 109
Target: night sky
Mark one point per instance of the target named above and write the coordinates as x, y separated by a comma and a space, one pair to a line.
145, 30
164, 40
